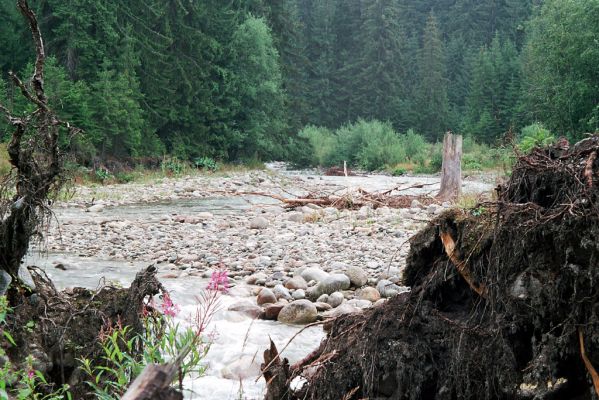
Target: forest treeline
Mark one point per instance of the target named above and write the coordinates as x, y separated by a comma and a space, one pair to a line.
239, 79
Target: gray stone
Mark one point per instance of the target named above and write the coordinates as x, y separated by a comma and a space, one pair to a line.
357, 276
333, 283
360, 303
343, 309
335, 299
388, 289
320, 306
253, 279
5, 281
266, 296
295, 216
314, 274
432, 209
299, 294
96, 208
282, 292
323, 299
298, 312
259, 223
416, 204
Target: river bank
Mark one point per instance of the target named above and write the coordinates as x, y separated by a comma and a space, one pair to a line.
189, 226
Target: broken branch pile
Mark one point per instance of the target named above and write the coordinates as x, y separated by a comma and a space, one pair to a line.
351, 199
504, 300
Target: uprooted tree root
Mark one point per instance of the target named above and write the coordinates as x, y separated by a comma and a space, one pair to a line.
59, 328
504, 301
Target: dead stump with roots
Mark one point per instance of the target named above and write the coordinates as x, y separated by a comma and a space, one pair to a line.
59, 328
504, 301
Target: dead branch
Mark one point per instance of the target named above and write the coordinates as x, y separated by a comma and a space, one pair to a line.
587, 362
34, 154
588, 169
450, 249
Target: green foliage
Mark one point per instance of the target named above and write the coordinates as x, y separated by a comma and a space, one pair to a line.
494, 91
173, 166
399, 171
534, 135
126, 356
560, 66
206, 163
432, 105
370, 145
323, 145
257, 81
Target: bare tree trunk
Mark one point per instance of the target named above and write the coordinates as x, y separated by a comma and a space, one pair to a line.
451, 178
34, 155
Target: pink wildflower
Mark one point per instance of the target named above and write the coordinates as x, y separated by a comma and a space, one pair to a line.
168, 307
30, 374
219, 281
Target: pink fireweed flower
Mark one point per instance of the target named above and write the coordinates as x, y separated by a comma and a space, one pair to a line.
219, 281
168, 307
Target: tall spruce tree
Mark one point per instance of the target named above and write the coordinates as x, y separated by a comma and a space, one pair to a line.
379, 80
560, 67
494, 91
431, 92
260, 117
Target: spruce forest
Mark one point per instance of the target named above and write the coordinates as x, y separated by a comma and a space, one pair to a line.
242, 79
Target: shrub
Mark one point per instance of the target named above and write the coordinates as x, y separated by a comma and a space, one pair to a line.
415, 146
323, 144
205, 163
380, 145
534, 135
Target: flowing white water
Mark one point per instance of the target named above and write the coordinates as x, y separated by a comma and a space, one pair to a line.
236, 338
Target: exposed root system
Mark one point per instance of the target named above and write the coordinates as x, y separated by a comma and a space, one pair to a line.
504, 301
58, 328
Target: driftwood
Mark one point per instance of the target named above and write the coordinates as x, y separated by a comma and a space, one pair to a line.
358, 198
155, 380
276, 373
34, 155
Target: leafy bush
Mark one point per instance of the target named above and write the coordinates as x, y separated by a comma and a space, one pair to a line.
534, 135
323, 144
172, 166
399, 171
380, 145
415, 146
206, 163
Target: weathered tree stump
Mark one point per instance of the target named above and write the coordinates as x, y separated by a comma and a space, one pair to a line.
451, 178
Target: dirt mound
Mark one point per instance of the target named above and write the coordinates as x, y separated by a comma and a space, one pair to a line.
504, 299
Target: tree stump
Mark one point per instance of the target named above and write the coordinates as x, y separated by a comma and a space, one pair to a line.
451, 171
